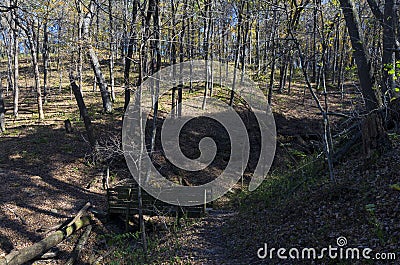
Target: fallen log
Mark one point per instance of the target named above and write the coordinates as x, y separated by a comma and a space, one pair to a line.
81, 212
68, 222
76, 253
18, 257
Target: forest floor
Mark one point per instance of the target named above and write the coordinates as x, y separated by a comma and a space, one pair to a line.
47, 175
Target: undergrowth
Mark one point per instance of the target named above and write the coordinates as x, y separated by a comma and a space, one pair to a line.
279, 186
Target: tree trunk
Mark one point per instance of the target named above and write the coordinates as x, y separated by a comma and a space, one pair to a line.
105, 96
363, 68
156, 65
314, 44
388, 59
112, 49
181, 58
80, 45
244, 50
16, 65
173, 58
129, 55
45, 55
206, 45
2, 109
290, 76
79, 246
258, 53
34, 54
10, 55
191, 51
237, 50
374, 137
273, 55
83, 111
138, 98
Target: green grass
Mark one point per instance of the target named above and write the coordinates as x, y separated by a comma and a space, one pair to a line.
280, 186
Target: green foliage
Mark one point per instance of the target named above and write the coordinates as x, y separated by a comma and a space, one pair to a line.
258, 76
335, 3
373, 220
393, 69
279, 187
297, 153
394, 136
116, 239
128, 249
395, 186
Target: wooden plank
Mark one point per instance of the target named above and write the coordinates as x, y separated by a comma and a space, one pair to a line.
123, 200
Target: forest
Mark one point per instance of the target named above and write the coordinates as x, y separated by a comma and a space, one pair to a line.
199, 132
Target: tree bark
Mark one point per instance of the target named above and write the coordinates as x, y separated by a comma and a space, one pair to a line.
237, 50
156, 66
45, 57
112, 49
181, 58
9, 50
273, 55
2, 109
258, 52
128, 57
80, 44
359, 52
33, 48
16, 65
79, 246
173, 58
388, 59
374, 137
244, 50
206, 46
105, 96
83, 111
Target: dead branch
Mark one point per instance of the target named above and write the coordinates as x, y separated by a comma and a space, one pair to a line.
80, 213
76, 253
46, 230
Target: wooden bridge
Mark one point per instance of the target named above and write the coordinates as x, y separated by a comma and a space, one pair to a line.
123, 200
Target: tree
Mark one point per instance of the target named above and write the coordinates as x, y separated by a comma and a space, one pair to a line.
387, 21
83, 110
112, 49
105, 96
2, 108
237, 48
14, 54
365, 74
30, 24
129, 55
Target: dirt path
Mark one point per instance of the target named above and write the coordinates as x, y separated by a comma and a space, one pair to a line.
206, 243
203, 242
